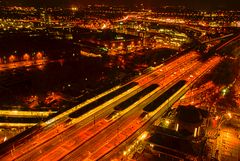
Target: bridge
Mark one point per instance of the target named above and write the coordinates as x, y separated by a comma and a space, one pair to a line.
159, 21
218, 38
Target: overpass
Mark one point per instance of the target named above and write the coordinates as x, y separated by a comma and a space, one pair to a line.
235, 38
218, 38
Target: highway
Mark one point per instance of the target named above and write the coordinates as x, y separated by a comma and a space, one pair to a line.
91, 135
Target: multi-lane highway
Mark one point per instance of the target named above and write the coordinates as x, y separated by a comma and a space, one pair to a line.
92, 129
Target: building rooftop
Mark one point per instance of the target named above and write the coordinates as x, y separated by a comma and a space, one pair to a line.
190, 114
174, 143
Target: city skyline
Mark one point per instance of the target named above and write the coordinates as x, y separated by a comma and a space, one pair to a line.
192, 4
136, 80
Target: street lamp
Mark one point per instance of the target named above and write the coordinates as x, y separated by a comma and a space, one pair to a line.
230, 115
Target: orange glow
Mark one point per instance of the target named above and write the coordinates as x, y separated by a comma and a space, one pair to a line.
26, 57
40, 67
74, 8
39, 56
114, 159
230, 115
214, 123
104, 26
12, 58
124, 19
54, 135
113, 44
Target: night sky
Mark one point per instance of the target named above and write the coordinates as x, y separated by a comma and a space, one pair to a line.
192, 4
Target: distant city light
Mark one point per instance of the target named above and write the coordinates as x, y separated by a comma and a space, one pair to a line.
230, 115
74, 8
